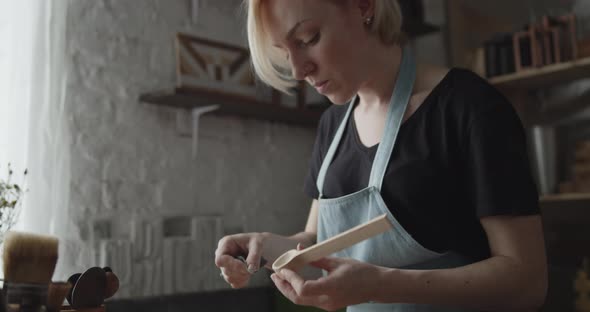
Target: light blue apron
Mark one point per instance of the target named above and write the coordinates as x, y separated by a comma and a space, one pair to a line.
395, 248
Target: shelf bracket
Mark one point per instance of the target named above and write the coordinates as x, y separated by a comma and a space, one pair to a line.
188, 125
196, 114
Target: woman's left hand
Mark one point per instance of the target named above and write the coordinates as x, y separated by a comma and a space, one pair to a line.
348, 282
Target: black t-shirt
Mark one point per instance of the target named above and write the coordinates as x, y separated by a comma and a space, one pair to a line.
461, 156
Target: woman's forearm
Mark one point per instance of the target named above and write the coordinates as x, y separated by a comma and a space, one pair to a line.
498, 283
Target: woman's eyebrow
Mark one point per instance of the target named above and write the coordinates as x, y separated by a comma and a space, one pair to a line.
291, 32
294, 28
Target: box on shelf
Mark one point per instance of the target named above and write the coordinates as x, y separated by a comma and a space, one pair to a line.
549, 41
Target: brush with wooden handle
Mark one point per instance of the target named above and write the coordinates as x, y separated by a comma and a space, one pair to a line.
29, 263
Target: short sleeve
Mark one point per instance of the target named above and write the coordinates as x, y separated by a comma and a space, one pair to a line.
499, 172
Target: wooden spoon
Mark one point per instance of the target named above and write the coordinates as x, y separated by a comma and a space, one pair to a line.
296, 259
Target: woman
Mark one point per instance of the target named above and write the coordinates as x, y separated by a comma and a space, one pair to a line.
444, 157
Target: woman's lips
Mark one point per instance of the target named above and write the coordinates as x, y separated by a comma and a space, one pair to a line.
321, 87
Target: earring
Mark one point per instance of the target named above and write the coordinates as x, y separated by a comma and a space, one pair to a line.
368, 20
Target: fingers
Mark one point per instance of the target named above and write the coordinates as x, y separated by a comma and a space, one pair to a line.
232, 245
301, 286
254, 255
235, 279
327, 263
230, 263
288, 291
228, 257
232, 270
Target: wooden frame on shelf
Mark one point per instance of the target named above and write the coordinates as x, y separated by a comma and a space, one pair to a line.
525, 41
215, 73
215, 68
222, 70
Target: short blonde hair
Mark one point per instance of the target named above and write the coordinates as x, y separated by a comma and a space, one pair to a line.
272, 67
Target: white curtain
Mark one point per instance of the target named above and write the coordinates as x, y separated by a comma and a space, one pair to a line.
15, 68
33, 127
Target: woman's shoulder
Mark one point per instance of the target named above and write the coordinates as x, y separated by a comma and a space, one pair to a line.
468, 93
472, 86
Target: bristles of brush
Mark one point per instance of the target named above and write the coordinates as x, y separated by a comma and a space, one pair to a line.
29, 258
56, 294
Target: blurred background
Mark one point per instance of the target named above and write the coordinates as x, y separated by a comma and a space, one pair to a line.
146, 138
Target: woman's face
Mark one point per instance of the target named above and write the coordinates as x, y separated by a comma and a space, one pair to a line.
325, 43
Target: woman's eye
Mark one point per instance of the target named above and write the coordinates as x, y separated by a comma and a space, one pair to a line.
311, 41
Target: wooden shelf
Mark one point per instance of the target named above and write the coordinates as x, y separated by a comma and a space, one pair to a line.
234, 106
567, 197
545, 76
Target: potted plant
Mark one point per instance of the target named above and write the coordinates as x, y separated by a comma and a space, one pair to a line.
10, 201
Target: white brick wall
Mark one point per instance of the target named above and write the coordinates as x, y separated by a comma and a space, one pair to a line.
131, 169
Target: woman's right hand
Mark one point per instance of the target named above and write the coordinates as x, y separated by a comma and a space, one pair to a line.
233, 270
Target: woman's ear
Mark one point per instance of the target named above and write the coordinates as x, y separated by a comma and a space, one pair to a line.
367, 8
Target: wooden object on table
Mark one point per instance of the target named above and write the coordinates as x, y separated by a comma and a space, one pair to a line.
112, 284
56, 294
89, 289
29, 258
296, 259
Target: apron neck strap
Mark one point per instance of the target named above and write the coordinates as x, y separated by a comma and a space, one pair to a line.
397, 107
395, 114
332, 150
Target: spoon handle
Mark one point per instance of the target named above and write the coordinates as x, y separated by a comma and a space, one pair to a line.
346, 239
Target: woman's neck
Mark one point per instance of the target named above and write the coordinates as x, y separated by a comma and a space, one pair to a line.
381, 74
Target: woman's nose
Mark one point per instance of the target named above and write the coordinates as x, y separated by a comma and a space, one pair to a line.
302, 69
